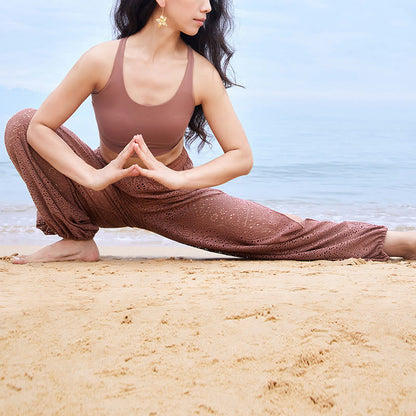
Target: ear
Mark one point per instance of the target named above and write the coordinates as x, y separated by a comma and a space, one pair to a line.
161, 3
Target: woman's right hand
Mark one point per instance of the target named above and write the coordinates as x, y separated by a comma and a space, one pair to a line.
115, 170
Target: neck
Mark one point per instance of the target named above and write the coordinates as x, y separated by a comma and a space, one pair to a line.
156, 41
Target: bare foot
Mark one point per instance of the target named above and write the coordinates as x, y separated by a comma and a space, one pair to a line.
64, 250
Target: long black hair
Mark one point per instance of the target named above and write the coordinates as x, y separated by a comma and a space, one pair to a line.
130, 16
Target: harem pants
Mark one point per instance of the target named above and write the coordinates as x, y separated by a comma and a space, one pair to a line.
204, 218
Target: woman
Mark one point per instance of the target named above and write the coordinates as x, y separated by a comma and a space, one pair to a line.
164, 78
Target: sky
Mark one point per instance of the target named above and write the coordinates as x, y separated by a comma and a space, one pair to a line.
287, 51
362, 49
293, 48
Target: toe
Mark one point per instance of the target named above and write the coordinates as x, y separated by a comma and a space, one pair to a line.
18, 259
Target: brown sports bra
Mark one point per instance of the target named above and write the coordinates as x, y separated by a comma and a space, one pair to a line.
119, 118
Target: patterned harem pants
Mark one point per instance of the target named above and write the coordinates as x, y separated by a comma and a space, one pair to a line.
204, 218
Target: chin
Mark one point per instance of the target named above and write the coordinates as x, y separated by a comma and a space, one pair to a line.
190, 31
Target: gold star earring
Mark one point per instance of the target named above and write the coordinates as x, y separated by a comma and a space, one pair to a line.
161, 21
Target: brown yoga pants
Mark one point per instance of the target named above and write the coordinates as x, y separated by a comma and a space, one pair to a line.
204, 218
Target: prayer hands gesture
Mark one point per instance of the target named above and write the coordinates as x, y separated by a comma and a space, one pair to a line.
154, 169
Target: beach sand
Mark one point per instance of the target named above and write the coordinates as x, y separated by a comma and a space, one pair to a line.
175, 331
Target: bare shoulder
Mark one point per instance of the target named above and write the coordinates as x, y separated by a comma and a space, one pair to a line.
89, 74
98, 61
207, 80
102, 51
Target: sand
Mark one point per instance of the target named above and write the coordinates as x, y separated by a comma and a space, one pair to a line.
135, 334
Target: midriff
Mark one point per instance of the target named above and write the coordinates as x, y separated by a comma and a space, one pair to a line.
167, 158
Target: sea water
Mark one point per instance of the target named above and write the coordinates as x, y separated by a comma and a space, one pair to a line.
329, 163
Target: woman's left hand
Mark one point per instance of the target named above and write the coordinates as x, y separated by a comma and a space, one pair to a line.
156, 170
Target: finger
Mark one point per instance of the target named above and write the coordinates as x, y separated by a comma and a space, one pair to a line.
133, 170
139, 140
128, 149
147, 161
146, 155
145, 148
129, 146
125, 154
148, 173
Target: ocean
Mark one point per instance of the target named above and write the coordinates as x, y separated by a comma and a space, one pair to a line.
342, 161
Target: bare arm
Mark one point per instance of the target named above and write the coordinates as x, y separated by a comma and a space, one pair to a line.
81, 80
237, 159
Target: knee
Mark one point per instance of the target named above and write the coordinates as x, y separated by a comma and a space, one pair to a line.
16, 129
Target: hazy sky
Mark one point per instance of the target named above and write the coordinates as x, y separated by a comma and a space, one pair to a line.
285, 48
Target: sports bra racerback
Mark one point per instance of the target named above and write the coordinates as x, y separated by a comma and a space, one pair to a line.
119, 118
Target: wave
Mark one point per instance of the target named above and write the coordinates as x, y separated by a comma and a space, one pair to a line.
17, 225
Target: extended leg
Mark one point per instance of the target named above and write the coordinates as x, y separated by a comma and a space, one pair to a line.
215, 221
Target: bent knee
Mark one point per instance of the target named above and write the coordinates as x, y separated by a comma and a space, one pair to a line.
15, 134
16, 128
